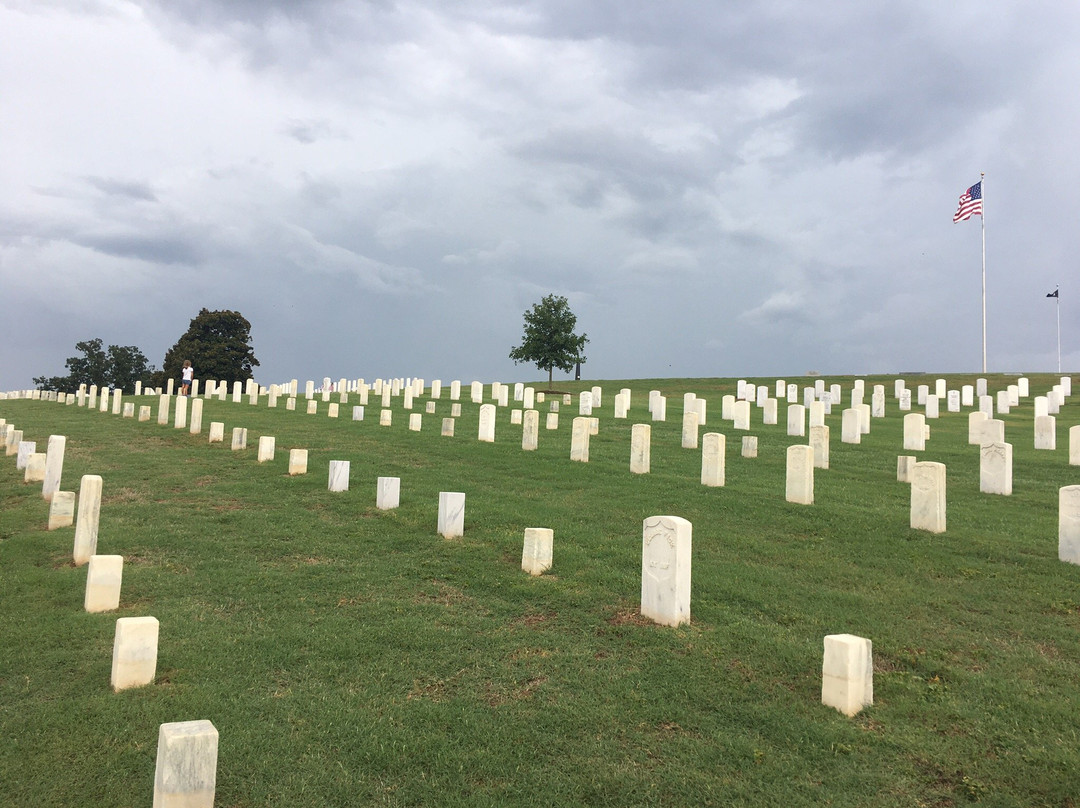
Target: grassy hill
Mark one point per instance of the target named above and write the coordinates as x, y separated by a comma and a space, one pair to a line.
351, 656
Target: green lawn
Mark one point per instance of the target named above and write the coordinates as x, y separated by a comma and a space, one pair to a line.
350, 656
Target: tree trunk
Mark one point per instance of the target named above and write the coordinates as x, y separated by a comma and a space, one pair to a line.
550, 367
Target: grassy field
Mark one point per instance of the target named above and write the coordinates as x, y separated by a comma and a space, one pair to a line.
350, 656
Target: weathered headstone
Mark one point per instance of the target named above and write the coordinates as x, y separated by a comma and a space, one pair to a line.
713, 448
135, 646
387, 493
740, 415
358, 413
536, 550
217, 432
551, 420
86, 526
847, 673
61, 509
1074, 445
640, 448
339, 475
530, 430
313, 406
1069, 524
819, 442
850, 428
690, 430
267, 447
993, 431
163, 410
666, 548
928, 497
1046, 432
447, 428
451, 514
796, 420
976, 421
35, 468
195, 425
995, 468
914, 432
579, 439
800, 475
415, 421
386, 417
749, 446
239, 439
23, 452
103, 577
298, 461
486, 432
904, 466
185, 775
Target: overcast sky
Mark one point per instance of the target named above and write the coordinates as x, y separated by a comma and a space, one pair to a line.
383, 188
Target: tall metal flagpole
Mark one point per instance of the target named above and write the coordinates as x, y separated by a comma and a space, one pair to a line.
1057, 305
982, 180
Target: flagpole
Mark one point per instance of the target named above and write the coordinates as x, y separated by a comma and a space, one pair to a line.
982, 217
1057, 305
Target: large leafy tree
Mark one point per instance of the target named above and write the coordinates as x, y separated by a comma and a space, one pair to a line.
549, 340
218, 345
118, 366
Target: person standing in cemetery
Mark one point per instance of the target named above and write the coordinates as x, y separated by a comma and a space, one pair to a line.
187, 375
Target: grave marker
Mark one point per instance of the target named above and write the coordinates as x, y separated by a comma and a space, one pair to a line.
640, 448
800, 475
995, 468
530, 430
819, 443
103, 576
451, 514
536, 551
267, 447
847, 673
486, 431
387, 493
86, 527
579, 439
185, 775
928, 497
665, 569
239, 439
749, 446
713, 448
62, 509
134, 661
298, 461
1069, 524
339, 475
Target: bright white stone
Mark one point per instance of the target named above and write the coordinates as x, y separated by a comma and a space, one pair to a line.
530, 430
339, 475
298, 461
387, 493
800, 475
386, 417
415, 421
185, 774
1074, 445
850, 431
447, 428
579, 439
1046, 432
928, 497
536, 551
103, 577
847, 673
61, 509
796, 420
819, 442
217, 432
134, 661
995, 468
267, 447
976, 421
713, 461
914, 432
451, 514
690, 430
551, 420
665, 569
35, 468
1069, 524
86, 527
487, 423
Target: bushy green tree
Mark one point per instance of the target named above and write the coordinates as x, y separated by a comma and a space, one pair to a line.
549, 340
217, 343
118, 366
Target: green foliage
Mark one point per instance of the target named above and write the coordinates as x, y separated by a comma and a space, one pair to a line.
119, 367
217, 343
549, 340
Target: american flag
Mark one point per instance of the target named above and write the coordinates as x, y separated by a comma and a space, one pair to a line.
970, 203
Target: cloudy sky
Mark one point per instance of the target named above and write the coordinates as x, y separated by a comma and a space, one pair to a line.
383, 188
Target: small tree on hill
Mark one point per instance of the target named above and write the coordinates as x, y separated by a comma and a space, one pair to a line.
549, 340
217, 343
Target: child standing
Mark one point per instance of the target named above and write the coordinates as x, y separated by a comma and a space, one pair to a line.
188, 375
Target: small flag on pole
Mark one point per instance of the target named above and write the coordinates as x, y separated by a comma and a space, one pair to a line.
1053, 293
970, 203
